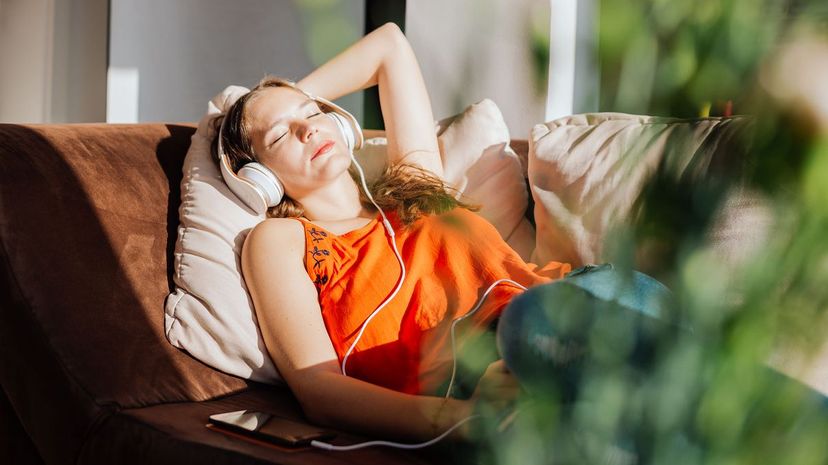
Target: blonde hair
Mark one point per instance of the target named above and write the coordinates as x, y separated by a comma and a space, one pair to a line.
406, 189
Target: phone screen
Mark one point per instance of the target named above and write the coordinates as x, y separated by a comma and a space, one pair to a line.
270, 427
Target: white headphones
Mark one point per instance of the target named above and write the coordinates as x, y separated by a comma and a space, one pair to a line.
258, 186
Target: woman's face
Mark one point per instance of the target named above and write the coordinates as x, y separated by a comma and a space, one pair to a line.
287, 129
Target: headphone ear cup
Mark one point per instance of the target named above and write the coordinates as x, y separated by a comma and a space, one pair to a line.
264, 181
344, 128
345, 120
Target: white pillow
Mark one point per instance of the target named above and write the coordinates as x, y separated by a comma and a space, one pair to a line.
478, 160
586, 172
211, 315
480, 164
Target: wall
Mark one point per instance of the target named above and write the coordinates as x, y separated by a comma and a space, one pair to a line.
573, 85
54, 60
169, 57
79, 61
25, 52
163, 54
474, 49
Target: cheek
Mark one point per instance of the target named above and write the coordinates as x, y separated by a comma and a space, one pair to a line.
344, 155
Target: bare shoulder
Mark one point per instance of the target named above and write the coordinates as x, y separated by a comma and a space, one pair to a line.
277, 235
274, 241
286, 303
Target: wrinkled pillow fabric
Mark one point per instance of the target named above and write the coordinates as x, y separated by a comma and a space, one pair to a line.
586, 172
480, 164
478, 160
210, 313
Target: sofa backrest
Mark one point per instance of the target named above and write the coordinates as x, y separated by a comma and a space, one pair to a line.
88, 217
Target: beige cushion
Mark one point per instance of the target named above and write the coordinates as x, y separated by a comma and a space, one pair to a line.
586, 172
480, 164
210, 313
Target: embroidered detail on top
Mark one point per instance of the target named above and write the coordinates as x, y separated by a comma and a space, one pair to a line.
317, 235
318, 255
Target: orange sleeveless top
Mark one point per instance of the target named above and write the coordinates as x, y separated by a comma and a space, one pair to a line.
450, 259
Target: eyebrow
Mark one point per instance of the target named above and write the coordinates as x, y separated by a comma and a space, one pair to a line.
300, 107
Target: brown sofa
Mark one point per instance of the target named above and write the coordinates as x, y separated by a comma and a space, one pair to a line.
88, 217
88, 224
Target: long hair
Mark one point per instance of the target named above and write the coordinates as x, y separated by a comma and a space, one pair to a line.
406, 189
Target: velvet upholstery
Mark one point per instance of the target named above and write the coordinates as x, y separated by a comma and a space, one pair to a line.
88, 217
15, 445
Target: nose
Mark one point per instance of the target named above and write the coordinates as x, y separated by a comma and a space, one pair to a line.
307, 129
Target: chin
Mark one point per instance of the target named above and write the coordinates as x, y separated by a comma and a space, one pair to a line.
332, 164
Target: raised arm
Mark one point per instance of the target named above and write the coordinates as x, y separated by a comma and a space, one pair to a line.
385, 58
294, 333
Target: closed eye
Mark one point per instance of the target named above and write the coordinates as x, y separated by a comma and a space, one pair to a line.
285, 133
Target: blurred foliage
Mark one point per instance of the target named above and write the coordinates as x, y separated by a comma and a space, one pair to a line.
711, 395
327, 28
538, 38
672, 57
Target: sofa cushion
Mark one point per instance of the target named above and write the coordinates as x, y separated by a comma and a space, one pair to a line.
210, 313
478, 161
587, 171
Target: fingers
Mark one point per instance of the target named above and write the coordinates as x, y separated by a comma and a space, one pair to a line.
498, 365
499, 376
497, 388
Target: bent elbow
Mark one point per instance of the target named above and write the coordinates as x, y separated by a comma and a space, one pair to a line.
392, 27
395, 35
314, 401
316, 412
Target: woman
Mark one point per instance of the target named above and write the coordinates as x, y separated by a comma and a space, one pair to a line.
322, 263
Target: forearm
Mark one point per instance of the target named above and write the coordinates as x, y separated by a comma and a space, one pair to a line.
353, 69
352, 404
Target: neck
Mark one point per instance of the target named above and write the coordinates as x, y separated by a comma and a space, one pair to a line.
336, 201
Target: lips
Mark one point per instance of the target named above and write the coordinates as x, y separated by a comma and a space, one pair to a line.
326, 146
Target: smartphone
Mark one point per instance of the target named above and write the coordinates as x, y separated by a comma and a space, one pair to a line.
270, 428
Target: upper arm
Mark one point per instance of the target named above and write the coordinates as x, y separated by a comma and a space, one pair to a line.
406, 108
286, 302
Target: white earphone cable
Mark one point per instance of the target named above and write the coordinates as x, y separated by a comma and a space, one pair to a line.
463, 317
391, 233
398, 445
